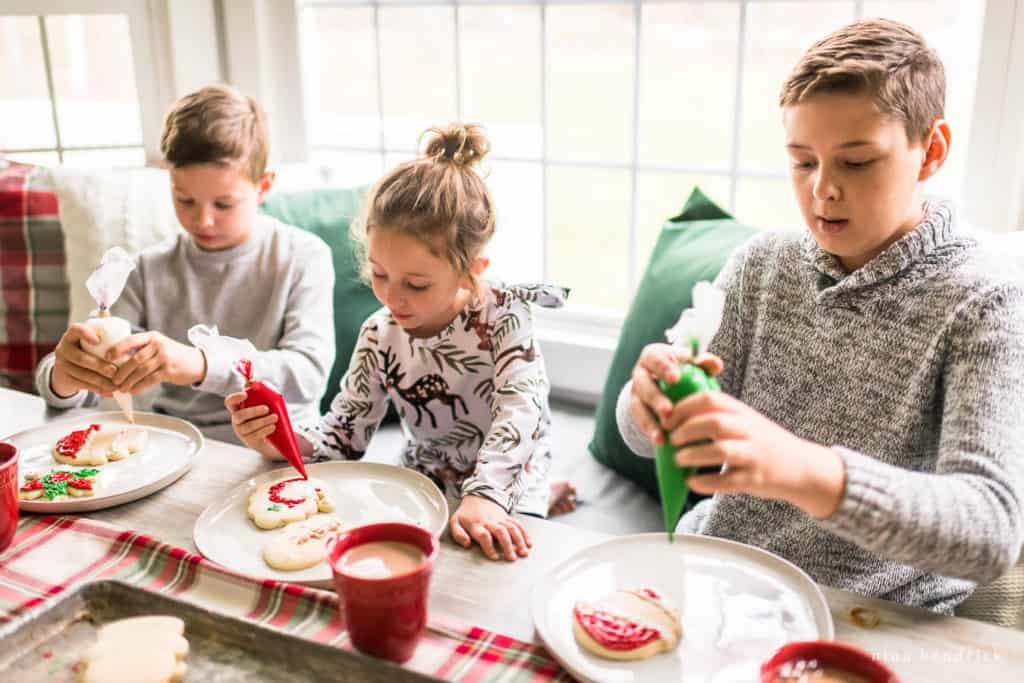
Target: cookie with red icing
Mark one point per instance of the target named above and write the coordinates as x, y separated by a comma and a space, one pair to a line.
288, 500
99, 444
58, 484
627, 624
301, 545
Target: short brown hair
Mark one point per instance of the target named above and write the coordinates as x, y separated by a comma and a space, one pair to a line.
885, 59
439, 197
219, 125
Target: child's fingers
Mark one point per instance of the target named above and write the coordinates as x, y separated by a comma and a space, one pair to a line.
147, 370
482, 536
233, 401
662, 360
711, 363
81, 331
645, 389
730, 481
519, 537
261, 434
75, 356
459, 534
129, 344
251, 413
645, 420
712, 426
98, 384
705, 455
501, 534
248, 429
145, 355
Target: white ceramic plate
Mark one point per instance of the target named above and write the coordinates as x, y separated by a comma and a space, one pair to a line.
363, 493
172, 448
738, 605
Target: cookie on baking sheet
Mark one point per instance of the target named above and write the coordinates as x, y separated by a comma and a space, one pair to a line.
150, 649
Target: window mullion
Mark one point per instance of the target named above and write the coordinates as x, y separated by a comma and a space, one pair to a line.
48, 64
378, 64
458, 64
634, 171
544, 227
741, 43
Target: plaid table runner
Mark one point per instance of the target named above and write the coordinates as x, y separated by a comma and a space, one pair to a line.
51, 554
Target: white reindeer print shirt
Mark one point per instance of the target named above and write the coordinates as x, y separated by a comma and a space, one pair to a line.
473, 399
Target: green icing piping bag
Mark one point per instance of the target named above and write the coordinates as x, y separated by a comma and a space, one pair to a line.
696, 326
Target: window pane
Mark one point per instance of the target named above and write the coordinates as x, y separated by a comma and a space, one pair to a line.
339, 57
48, 159
515, 250
24, 100
661, 196
954, 29
106, 158
687, 108
778, 33
589, 218
418, 71
348, 169
500, 67
590, 82
94, 79
768, 204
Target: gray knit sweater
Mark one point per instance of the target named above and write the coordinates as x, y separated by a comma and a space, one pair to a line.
912, 369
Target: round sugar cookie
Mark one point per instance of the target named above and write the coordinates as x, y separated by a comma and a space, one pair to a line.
288, 500
301, 545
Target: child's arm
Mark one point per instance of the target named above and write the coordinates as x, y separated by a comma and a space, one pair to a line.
966, 520
344, 432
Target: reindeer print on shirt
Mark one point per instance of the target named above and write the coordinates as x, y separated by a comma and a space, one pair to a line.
473, 398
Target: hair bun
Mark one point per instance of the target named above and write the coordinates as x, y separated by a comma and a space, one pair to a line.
463, 144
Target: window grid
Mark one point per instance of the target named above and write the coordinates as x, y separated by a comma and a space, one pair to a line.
51, 92
734, 172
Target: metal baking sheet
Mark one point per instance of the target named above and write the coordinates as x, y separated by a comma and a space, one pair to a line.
46, 645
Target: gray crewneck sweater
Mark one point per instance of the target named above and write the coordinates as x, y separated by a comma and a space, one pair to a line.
912, 370
275, 290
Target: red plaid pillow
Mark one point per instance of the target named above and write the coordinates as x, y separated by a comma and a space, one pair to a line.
33, 279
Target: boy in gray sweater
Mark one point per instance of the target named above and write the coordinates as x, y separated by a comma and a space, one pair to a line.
872, 423
250, 275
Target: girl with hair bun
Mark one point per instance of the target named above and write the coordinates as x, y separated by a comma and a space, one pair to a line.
454, 352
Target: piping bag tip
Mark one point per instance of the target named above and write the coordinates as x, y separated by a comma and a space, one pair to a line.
124, 401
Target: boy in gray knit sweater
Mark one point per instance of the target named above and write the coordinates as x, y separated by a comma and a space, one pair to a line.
872, 423
253, 277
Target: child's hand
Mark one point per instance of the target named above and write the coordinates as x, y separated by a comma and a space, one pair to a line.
156, 358
761, 458
75, 369
483, 521
651, 409
253, 425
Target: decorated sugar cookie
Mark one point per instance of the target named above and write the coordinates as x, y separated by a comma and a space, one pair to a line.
288, 500
98, 445
627, 624
58, 484
141, 649
301, 544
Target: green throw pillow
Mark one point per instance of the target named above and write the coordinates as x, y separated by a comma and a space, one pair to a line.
327, 213
692, 247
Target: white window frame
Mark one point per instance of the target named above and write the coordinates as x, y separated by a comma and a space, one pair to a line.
147, 27
259, 52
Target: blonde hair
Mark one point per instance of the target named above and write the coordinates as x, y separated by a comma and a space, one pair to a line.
219, 125
884, 59
439, 198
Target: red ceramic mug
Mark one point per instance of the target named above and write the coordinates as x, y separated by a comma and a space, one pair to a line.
8, 493
826, 654
385, 610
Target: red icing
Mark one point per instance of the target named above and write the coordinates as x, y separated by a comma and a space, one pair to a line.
651, 594
73, 442
32, 485
57, 477
611, 631
275, 493
81, 484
